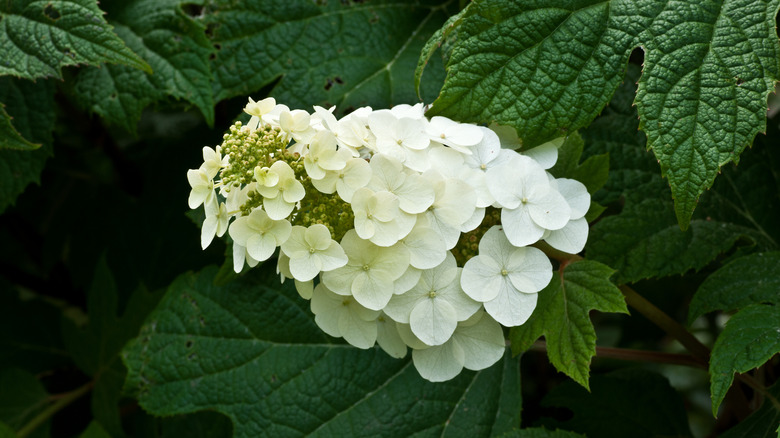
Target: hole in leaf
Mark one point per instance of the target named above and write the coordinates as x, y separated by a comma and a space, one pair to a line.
113, 96
195, 11
740, 81
212, 56
188, 344
217, 46
321, 2
68, 52
338, 80
50, 12
211, 29
329, 84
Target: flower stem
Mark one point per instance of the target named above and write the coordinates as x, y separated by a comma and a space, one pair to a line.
62, 400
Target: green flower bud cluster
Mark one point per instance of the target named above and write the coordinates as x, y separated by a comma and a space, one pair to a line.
468, 244
248, 149
326, 209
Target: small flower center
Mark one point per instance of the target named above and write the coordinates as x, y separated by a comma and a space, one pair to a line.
432, 294
524, 200
483, 166
504, 272
312, 250
366, 268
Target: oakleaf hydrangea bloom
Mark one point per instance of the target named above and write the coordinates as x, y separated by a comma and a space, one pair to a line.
403, 232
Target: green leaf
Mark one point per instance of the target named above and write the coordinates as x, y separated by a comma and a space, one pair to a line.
625, 403
763, 423
749, 339
645, 242
94, 430
540, 432
176, 48
38, 38
446, 35
23, 397
561, 316
6, 431
752, 279
329, 53
29, 333
31, 105
10, 137
95, 348
550, 67
203, 338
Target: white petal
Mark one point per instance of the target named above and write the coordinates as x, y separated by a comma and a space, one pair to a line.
550, 211
208, 231
373, 290
464, 306
388, 338
406, 281
433, 321
482, 343
576, 195
356, 331
481, 278
546, 154
261, 247
305, 268
439, 363
518, 226
529, 270
277, 208
426, 249
571, 238
511, 307
305, 289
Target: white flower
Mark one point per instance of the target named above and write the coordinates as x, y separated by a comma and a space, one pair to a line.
459, 136
324, 156
343, 316
435, 305
414, 194
297, 124
202, 187
402, 138
370, 272
216, 222
506, 278
378, 217
453, 206
279, 200
259, 234
213, 161
355, 174
426, 248
573, 236
476, 344
311, 250
258, 109
530, 204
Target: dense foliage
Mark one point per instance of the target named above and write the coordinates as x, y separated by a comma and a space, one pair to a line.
116, 323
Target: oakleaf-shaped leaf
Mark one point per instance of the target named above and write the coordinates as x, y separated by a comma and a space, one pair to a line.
31, 105
751, 279
561, 316
204, 338
328, 53
38, 38
549, 67
176, 48
750, 338
655, 409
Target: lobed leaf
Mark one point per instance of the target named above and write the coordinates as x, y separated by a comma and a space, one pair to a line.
752, 279
176, 48
31, 105
10, 137
203, 338
548, 68
350, 54
38, 38
763, 423
749, 339
562, 317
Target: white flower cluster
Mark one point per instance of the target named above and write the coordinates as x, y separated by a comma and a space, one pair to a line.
402, 231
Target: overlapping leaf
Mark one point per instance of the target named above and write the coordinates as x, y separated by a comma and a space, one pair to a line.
330, 53
750, 338
561, 316
550, 67
752, 279
202, 339
32, 107
176, 48
763, 423
23, 398
38, 38
644, 240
